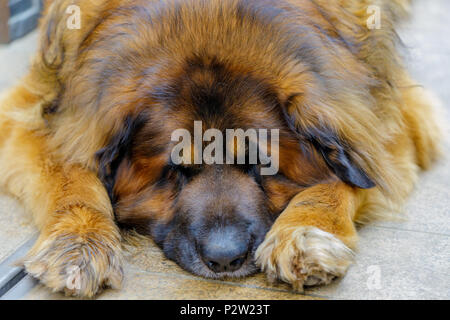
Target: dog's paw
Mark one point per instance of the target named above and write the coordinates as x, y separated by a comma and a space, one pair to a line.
77, 263
303, 256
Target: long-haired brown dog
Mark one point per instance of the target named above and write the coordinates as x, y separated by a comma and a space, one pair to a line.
86, 136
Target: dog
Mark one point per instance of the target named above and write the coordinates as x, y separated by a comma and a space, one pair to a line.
86, 136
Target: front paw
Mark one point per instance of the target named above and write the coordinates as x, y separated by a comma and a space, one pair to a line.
303, 256
79, 262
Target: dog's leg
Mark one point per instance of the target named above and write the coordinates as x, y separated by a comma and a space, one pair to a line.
78, 250
311, 242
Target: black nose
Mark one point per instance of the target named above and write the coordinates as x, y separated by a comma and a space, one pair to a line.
225, 250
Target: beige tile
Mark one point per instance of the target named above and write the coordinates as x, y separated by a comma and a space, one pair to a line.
16, 226
410, 265
428, 207
141, 285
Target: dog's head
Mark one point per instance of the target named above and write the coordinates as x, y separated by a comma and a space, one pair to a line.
210, 217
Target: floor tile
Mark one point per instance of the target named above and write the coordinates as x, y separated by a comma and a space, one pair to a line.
393, 264
16, 226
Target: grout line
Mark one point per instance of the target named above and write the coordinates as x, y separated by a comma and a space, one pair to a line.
410, 230
176, 275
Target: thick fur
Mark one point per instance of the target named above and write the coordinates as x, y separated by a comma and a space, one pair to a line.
341, 88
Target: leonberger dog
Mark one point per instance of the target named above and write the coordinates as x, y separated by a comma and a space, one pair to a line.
86, 140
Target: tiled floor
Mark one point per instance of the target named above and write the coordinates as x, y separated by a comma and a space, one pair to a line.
15, 225
403, 259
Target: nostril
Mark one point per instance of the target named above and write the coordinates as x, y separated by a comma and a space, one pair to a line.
226, 266
213, 265
237, 263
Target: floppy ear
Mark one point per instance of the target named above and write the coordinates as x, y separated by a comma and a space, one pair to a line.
58, 41
338, 156
118, 148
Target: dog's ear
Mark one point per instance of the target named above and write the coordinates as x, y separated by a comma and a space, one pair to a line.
337, 153
119, 147
60, 36
340, 157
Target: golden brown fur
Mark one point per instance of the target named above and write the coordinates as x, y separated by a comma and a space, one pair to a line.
53, 126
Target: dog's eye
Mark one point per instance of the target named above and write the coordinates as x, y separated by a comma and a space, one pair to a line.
248, 168
254, 171
186, 171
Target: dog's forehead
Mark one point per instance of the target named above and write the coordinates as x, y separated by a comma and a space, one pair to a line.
218, 95
215, 110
